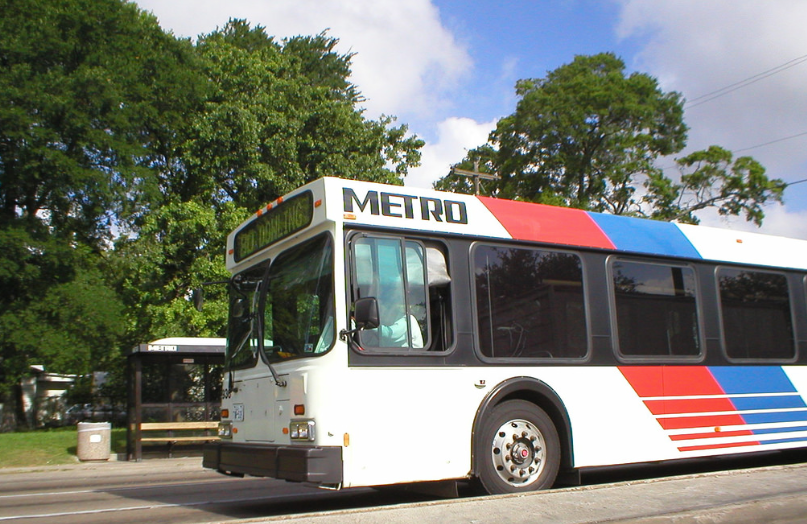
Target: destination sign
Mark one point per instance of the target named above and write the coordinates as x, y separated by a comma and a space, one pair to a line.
291, 216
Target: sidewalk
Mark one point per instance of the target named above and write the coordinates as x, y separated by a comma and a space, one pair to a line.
774, 494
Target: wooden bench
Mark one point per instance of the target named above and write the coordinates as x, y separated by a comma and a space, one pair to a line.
177, 432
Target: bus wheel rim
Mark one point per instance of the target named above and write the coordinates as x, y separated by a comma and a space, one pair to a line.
518, 452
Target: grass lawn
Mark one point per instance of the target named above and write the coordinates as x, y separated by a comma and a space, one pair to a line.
47, 447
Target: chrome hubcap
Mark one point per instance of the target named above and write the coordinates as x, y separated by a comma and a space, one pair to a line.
518, 452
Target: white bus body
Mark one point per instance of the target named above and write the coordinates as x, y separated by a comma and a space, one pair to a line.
539, 309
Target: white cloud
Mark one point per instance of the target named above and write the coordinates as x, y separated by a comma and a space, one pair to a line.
406, 61
698, 47
778, 221
455, 137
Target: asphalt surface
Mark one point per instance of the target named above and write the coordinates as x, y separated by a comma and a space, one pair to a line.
771, 494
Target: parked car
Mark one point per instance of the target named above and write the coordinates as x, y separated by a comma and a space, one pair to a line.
92, 413
77, 413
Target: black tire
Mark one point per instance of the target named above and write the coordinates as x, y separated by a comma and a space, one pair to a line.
517, 449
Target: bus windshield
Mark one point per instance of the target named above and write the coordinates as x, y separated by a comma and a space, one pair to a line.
283, 309
296, 307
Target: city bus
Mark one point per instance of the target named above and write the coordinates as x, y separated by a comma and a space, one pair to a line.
382, 335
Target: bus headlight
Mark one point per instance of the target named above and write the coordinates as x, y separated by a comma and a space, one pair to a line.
225, 429
301, 430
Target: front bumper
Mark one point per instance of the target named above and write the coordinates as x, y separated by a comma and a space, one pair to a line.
311, 464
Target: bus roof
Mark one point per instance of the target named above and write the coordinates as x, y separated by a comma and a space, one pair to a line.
347, 202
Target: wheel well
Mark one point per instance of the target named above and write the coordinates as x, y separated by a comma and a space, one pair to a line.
540, 394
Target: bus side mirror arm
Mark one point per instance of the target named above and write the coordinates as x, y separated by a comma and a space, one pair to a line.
198, 294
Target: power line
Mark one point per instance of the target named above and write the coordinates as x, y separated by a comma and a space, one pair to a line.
734, 151
788, 184
708, 97
771, 142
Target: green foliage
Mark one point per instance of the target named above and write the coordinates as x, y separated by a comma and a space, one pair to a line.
179, 246
127, 155
584, 131
86, 87
58, 308
588, 136
712, 178
281, 115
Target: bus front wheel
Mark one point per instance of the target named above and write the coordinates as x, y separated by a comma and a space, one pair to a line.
517, 449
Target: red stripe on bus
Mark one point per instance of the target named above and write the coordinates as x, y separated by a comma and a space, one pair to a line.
712, 434
701, 422
541, 223
718, 446
647, 381
690, 380
683, 406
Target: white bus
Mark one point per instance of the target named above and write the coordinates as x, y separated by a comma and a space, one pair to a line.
384, 335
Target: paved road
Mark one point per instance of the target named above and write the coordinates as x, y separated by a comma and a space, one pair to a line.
180, 491
169, 491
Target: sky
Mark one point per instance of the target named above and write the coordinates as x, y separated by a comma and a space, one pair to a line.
447, 68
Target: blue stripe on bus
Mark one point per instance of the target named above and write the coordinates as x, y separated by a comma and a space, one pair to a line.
750, 403
783, 441
752, 379
770, 431
645, 236
770, 418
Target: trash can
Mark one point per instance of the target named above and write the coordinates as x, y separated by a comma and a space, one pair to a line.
94, 440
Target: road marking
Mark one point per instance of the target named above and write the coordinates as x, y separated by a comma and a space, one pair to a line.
158, 506
112, 490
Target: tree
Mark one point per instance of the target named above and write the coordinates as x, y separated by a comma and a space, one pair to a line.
276, 116
588, 136
126, 155
86, 87
283, 114
712, 178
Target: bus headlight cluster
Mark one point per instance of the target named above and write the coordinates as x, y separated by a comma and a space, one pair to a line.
225, 429
302, 430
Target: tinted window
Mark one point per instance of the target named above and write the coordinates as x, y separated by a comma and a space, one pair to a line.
656, 309
756, 314
298, 303
529, 303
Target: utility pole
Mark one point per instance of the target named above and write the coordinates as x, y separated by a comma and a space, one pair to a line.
475, 174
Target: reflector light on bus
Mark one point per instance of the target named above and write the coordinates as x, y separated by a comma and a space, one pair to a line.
299, 409
225, 413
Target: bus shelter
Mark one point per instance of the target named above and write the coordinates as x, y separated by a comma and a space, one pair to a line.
174, 386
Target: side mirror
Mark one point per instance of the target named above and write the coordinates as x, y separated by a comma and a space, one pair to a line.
198, 296
365, 313
238, 308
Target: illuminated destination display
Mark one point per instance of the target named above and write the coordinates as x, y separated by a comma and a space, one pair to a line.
286, 219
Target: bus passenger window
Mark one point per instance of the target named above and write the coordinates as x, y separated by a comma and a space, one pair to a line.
656, 309
755, 307
529, 303
409, 281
